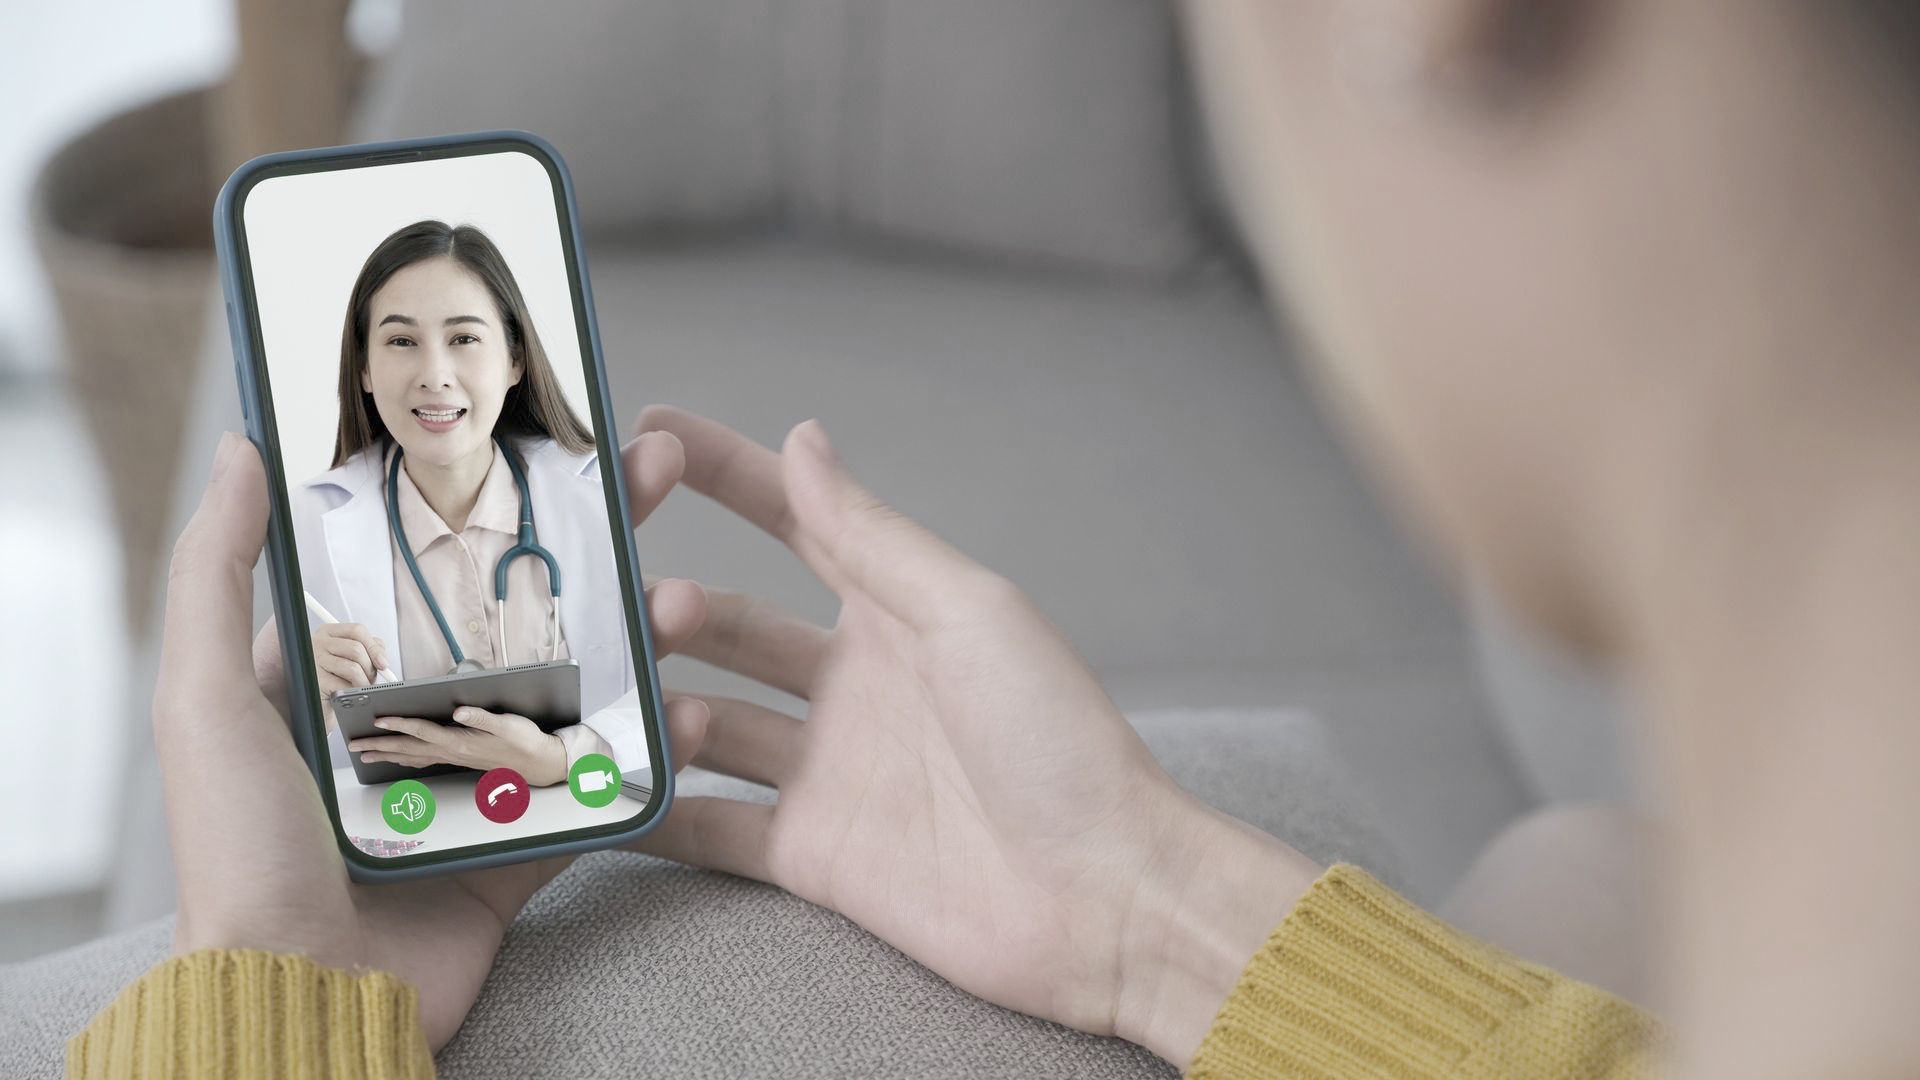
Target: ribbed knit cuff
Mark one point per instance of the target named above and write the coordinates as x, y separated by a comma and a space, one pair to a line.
246, 1013
1356, 981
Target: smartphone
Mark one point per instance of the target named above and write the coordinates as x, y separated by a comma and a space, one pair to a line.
414, 342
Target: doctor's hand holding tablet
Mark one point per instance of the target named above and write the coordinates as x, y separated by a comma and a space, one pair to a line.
347, 657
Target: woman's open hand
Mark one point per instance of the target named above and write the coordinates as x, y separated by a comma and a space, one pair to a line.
477, 739
961, 785
255, 858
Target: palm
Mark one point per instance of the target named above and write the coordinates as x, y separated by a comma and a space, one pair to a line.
441, 934
931, 761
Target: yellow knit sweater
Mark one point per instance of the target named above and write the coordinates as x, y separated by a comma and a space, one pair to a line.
1355, 982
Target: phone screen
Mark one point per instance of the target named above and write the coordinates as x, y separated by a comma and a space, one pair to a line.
426, 383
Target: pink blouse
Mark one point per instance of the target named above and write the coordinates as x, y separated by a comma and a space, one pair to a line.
459, 568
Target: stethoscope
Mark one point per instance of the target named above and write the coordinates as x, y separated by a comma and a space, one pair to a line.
528, 545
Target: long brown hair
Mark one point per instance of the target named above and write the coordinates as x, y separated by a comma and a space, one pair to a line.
534, 406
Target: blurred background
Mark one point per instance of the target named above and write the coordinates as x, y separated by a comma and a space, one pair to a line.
980, 241
62, 68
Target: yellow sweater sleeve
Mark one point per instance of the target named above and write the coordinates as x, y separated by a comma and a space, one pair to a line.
243, 1013
1356, 981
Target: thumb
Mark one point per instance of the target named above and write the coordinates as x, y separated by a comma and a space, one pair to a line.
269, 668
858, 543
206, 652
686, 730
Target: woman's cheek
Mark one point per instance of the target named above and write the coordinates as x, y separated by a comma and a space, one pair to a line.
497, 389
391, 408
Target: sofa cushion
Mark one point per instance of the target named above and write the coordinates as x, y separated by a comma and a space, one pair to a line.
1144, 461
1037, 129
627, 964
1023, 129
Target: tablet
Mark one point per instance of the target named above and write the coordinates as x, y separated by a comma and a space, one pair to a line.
547, 694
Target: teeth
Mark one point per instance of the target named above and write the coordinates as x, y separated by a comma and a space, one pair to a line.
438, 415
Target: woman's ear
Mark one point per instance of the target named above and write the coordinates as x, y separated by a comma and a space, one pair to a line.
366, 380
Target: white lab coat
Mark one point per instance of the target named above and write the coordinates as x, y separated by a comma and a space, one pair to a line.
344, 542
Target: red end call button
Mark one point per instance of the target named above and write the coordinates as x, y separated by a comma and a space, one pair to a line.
501, 795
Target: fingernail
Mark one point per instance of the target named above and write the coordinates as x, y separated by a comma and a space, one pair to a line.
223, 454
383, 724
463, 714
814, 434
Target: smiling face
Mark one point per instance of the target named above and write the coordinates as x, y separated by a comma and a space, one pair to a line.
438, 364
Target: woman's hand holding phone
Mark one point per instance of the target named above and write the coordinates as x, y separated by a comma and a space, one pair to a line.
255, 859
961, 784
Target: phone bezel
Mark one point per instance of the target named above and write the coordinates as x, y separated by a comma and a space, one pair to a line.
230, 242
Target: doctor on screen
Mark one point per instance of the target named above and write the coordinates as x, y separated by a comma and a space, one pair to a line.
452, 429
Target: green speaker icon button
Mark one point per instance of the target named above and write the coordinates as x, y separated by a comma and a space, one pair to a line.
407, 806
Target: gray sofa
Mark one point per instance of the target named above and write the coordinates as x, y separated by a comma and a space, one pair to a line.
628, 965
979, 242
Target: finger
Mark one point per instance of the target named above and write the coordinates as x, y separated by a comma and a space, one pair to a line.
269, 668
376, 649
746, 478
719, 834
750, 741
425, 730
686, 729
653, 462
206, 651
394, 744
676, 608
856, 542
353, 651
727, 467
478, 719
411, 761
347, 671
753, 637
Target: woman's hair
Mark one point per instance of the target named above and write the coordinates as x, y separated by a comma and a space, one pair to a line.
534, 406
